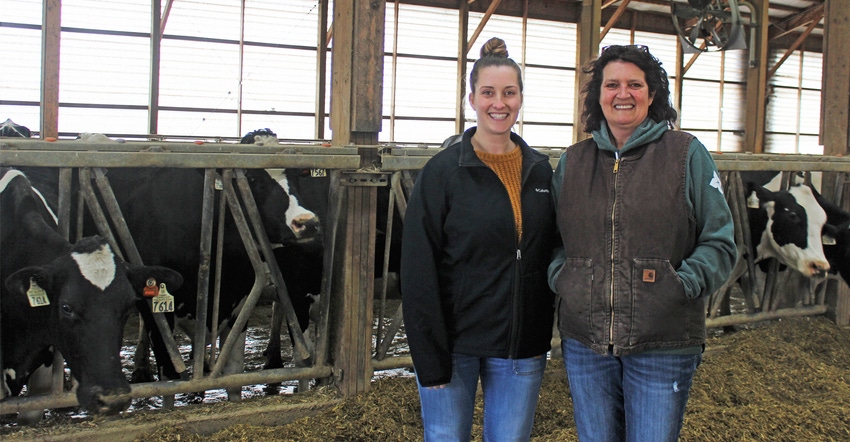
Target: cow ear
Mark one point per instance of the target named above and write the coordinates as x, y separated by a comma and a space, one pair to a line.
19, 282
829, 233
763, 194
139, 275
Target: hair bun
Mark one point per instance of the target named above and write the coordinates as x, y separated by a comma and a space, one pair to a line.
495, 47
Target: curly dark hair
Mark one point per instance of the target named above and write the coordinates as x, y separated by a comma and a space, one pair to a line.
661, 108
493, 53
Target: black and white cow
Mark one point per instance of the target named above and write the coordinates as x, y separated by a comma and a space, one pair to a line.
301, 263
787, 225
163, 210
58, 296
836, 237
797, 226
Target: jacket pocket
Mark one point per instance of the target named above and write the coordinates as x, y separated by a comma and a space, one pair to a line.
659, 304
575, 288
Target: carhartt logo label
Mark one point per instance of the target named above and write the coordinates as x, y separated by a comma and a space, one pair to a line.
648, 275
539, 190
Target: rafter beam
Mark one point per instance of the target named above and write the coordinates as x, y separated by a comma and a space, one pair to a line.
620, 10
805, 18
793, 48
483, 23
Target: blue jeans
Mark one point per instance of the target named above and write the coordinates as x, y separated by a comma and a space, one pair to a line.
632, 398
510, 389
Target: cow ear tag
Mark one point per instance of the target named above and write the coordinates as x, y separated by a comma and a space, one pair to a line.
163, 302
150, 289
753, 202
828, 240
36, 295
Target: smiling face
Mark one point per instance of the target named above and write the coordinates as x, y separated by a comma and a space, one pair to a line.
496, 99
624, 98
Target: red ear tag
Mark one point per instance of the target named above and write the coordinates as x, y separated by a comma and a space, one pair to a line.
150, 289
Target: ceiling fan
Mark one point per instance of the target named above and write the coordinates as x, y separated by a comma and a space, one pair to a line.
708, 25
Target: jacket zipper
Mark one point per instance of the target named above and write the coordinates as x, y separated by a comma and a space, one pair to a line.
613, 238
515, 307
513, 351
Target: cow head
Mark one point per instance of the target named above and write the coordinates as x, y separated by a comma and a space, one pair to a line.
8, 128
285, 218
792, 233
90, 293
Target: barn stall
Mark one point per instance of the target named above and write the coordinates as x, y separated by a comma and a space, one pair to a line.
359, 165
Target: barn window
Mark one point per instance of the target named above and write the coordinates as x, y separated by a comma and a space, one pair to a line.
207, 90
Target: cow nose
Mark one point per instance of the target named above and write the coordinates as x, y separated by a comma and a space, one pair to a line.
818, 269
305, 226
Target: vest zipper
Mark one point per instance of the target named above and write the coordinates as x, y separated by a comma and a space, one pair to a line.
613, 238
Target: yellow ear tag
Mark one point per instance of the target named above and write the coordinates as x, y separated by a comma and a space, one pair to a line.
36, 295
163, 302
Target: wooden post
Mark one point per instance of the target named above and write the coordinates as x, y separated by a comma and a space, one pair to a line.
50, 36
356, 100
588, 48
835, 127
157, 28
462, 52
757, 80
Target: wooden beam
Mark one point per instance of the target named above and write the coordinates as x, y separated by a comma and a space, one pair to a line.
356, 113
757, 79
835, 98
787, 26
587, 50
462, 51
367, 92
483, 23
793, 48
165, 14
50, 35
322, 41
153, 79
620, 10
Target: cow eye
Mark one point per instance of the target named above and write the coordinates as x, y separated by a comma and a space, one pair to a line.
793, 217
67, 309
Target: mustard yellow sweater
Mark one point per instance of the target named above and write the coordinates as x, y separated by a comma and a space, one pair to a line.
508, 168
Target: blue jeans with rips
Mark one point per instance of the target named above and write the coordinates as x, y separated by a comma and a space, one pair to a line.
633, 398
510, 386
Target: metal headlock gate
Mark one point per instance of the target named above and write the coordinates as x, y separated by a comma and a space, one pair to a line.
219, 160
225, 160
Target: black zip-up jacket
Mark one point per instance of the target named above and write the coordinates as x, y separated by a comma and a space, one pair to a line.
467, 285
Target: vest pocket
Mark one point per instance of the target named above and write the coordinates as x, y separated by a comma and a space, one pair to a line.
659, 305
575, 290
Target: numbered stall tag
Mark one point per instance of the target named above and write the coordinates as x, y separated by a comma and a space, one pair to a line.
318, 173
150, 289
36, 295
163, 302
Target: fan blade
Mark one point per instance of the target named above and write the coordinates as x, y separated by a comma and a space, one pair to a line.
684, 11
695, 31
722, 14
699, 4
